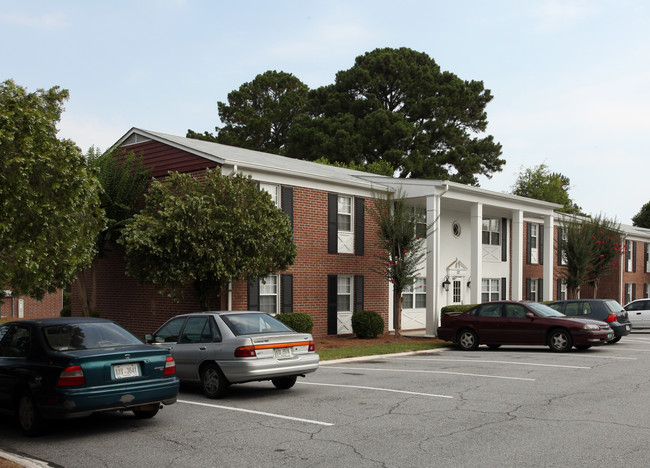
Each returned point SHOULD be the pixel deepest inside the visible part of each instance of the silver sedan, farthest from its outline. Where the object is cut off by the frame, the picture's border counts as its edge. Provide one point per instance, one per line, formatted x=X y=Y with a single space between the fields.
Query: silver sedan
x=217 y=349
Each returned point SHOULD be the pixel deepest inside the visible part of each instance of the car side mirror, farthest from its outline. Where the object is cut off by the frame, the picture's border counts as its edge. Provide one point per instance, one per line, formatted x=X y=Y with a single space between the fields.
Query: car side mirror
x=530 y=315
x=148 y=338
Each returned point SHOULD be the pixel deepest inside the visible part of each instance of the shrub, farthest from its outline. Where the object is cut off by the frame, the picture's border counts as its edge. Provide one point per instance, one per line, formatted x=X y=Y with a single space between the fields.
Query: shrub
x=67 y=306
x=367 y=324
x=455 y=308
x=302 y=323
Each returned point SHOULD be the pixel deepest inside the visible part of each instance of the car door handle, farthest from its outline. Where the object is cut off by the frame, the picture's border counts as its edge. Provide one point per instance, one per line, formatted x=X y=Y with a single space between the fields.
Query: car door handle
x=203 y=348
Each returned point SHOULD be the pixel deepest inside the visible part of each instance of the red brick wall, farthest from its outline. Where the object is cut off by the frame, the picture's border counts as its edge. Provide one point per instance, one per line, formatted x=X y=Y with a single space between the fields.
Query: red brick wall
x=50 y=306
x=141 y=310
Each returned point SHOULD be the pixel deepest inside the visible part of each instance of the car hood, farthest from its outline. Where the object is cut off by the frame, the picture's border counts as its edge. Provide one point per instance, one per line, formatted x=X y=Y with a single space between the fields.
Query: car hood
x=585 y=321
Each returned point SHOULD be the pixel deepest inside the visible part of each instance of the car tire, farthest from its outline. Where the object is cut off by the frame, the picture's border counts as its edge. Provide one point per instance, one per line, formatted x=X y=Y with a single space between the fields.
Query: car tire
x=213 y=382
x=284 y=383
x=467 y=340
x=559 y=340
x=615 y=340
x=29 y=417
x=146 y=412
x=494 y=346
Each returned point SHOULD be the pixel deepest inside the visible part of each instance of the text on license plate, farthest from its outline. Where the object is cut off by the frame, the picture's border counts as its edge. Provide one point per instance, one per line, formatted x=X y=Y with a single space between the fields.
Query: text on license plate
x=123 y=371
x=282 y=353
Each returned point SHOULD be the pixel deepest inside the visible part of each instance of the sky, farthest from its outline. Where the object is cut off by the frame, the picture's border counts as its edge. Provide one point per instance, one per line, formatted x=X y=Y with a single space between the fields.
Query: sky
x=570 y=78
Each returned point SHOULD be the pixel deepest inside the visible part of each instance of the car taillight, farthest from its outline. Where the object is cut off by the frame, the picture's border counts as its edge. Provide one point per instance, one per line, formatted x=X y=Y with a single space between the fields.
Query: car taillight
x=312 y=346
x=71 y=376
x=245 y=351
x=170 y=366
x=611 y=318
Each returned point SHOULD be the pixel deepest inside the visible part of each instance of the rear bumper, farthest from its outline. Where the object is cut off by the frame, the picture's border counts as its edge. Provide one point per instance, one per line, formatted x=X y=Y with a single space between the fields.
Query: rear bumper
x=83 y=401
x=620 y=329
x=254 y=369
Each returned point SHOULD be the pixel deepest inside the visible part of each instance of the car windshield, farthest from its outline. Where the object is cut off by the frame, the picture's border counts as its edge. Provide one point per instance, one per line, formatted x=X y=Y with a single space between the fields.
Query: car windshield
x=613 y=306
x=544 y=310
x=70 y=336
x=251 y=324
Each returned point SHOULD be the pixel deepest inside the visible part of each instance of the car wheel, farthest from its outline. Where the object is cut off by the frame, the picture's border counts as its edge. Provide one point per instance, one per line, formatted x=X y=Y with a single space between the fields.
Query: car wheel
x=582 y=347
x=213 y=381
x=615 y=340
x=284 y=383
x=494 y=346
x=29 y=416
x=467 y=340
x=147 y=411
x=559 y=340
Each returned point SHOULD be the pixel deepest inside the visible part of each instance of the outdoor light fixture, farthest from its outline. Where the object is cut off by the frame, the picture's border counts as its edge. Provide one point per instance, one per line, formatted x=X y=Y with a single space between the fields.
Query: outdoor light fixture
x=469 y=281
x=446 y=283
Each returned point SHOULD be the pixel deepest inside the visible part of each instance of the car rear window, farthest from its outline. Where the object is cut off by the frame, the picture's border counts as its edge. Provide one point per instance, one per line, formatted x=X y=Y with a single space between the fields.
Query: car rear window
x=68 y=337
x=252 y=324
x=613 y=306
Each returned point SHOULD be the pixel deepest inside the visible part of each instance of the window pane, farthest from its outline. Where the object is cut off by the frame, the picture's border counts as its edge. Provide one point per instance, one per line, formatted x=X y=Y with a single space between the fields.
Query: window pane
x=407 y=302
x=343 y=285
x=486 y=237
x=421 y=301
x=269 y=285
x=344 y=222
x=343 y=303
x=268 y=304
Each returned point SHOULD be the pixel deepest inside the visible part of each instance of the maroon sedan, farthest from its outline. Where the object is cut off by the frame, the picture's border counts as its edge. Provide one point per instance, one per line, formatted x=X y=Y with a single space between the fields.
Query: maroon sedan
x=521 y=323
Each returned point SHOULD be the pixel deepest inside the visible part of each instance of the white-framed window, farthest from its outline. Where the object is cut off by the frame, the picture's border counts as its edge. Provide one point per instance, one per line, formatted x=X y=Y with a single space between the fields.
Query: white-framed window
x=647 y=257
x=456 y=296
x=629 y=297
x=628 y=256
x=415 y=295
x=344 y=293
x=274 y=191
x=492 y=231
x=269 y=296
x=533 y=289
x=345 y=212
x=562 y=292
x=490 y=289
x=534 y=242
x=420 y=222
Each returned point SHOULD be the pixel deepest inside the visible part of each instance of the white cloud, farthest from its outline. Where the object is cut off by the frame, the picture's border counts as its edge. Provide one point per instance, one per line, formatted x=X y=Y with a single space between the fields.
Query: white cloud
x=46 y=21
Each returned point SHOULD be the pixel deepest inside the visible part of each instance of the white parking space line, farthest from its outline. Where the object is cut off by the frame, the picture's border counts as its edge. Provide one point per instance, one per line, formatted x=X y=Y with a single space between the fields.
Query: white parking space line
x=494 y=362
x=272 y=415
x=378 y=389
x=384 y=369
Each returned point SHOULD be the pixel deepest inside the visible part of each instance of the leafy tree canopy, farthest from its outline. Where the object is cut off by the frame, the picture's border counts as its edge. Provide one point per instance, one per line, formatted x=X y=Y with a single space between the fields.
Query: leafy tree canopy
x=642 y=218
x=541 y=184
x=396 y=105
x=50 y=213
x=377 y=167
x=206 y=233
x=259 y=114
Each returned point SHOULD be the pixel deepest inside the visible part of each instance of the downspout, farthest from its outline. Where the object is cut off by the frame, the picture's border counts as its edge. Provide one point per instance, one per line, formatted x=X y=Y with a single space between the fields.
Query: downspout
x=230 y=295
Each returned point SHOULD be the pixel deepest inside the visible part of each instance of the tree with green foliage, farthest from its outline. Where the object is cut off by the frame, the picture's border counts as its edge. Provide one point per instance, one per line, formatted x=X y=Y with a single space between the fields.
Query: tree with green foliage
x=541 y=184
x=50 y=213
x=206 y=233
x=396 y=105
x=123 y=179
x=592 y=249
x=377 y=167
x=260 y=113
x=400 y=236
x=642 y=218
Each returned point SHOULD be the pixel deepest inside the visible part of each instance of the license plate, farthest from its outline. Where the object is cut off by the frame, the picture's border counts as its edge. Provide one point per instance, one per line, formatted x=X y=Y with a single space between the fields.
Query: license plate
x=610 y=336
x=282 y=353
x=627 y=327
x=123 y=371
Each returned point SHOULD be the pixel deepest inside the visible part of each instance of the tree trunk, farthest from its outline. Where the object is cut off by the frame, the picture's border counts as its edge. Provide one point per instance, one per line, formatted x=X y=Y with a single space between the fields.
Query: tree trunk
x=83 y=295
x=397 y=311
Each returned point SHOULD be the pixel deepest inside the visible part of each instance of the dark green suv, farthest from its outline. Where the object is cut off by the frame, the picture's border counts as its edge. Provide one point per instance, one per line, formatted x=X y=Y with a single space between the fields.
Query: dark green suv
x=605 y=310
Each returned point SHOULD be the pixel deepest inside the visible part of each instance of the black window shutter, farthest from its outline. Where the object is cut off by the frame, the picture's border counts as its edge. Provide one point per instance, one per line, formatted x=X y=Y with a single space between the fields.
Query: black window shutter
x=332 y=328
x=358 y=293
x=504 y=287
x=559 y=289
x=504 y=240
x=540 y=251
x=359 y=225
x=286 y=299
x=254 y=293
x=645 y=258
x=332 y=223
x=633 y=291
x=633 y=256
x=560 y=247
x=287 y=203
x=528 y=281
x=540 y=290
x=528 y=243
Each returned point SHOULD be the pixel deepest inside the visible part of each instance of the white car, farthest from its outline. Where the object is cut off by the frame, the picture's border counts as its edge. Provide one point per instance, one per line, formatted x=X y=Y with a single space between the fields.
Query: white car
x=639 y=313
x=217 y=349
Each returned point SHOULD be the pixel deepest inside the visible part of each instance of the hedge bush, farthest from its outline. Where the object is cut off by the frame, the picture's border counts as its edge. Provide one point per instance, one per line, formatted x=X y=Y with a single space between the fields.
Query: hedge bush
x=302 y=323
x=456 y=308
x=367 y=324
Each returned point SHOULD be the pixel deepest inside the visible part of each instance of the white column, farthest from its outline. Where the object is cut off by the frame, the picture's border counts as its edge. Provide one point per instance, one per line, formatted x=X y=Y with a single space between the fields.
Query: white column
x=517 y=260
x=476 y=249
x=433 y=265
x=549 y=250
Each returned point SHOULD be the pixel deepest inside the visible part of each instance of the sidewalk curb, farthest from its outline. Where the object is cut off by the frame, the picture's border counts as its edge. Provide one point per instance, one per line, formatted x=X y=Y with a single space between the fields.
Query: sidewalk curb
x=379 y=356
x=23 y=461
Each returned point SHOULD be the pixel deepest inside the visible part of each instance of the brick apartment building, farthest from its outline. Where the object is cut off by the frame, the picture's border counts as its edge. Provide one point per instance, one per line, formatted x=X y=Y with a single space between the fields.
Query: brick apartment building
x=484 y=245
